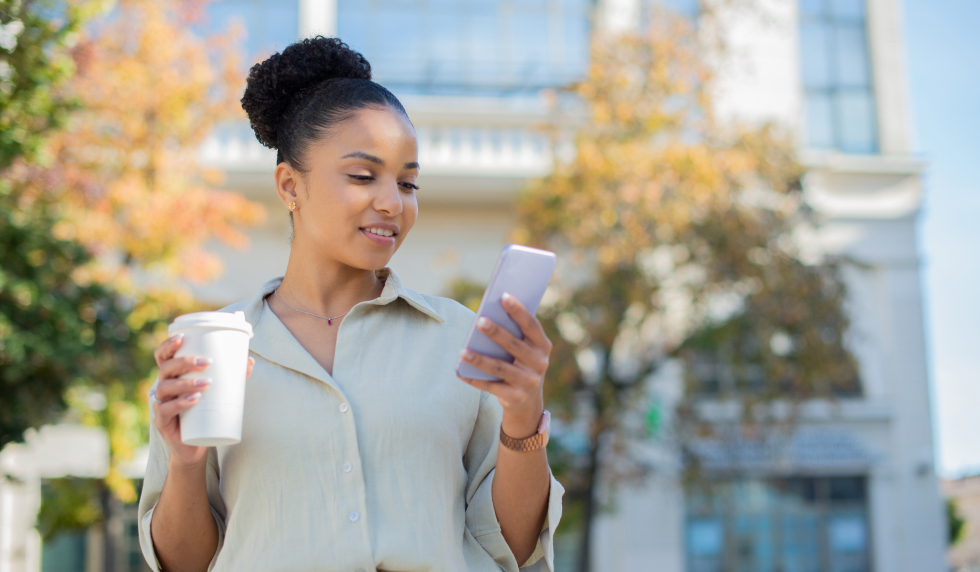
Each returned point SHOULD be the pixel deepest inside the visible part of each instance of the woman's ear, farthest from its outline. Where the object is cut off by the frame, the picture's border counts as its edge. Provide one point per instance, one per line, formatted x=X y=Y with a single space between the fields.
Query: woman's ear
x=287 y=185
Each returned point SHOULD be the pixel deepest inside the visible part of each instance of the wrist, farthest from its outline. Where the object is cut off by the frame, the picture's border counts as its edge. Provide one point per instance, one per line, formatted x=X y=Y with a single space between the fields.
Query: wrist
x=189 y=468
x=520 y=423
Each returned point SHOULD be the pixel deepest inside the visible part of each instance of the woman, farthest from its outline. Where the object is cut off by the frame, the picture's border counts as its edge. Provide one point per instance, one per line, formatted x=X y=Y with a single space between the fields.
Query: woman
x=360 y=448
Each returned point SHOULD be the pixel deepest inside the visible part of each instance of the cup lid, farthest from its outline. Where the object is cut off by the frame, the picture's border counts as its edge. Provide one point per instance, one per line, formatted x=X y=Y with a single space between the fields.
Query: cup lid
x=223 y=320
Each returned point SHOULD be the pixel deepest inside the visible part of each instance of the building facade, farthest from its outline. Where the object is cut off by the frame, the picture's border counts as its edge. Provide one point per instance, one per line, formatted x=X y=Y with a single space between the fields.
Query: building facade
x=854 y=489
x=858 y=491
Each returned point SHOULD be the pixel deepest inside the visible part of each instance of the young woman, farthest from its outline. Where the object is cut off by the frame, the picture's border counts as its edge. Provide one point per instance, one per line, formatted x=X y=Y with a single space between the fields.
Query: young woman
x=361 y=450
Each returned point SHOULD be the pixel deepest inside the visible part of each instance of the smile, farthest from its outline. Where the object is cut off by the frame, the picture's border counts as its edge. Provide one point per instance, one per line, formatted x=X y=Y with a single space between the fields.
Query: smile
x=379 y=231
x=378 y=235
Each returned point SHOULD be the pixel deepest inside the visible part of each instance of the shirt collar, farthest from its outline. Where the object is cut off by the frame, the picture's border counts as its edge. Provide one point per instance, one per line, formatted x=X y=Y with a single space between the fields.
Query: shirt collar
x=274 y=342
x=393 y=290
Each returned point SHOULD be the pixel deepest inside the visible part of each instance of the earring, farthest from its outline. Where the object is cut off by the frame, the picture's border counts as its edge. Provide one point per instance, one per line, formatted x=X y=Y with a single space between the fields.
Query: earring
x=292 y=205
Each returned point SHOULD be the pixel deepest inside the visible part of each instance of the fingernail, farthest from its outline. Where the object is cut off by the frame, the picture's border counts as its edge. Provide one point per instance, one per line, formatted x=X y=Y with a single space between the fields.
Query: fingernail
x=483 y=323
x=203 y=361
x=204 y=381
x=507 y=298
x=194 y=396
x=466 y=354
x=178 y=337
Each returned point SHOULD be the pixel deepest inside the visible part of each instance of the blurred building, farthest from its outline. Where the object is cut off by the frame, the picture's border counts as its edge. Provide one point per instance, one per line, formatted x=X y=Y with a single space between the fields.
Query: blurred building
x=59 y=452
x=964 y=556
x=854 y=489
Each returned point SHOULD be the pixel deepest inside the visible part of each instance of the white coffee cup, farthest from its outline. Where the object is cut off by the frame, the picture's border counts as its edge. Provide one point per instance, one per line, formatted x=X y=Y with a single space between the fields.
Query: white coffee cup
x=216 y=419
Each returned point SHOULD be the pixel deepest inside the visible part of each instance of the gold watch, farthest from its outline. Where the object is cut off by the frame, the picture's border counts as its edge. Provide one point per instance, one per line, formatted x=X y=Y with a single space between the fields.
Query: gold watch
x=536 y=441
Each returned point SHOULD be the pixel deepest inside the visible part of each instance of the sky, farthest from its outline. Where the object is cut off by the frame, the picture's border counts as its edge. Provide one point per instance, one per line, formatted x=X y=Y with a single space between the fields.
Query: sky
x=943 y=51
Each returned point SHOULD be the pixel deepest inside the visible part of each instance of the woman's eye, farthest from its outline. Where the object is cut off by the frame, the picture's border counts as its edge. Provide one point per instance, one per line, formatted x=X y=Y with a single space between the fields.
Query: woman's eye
x=361 y=177
x=410 y=186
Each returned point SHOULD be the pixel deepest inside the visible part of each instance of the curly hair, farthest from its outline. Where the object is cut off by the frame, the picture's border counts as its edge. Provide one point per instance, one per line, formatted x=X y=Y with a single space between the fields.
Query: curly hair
x=297 y=96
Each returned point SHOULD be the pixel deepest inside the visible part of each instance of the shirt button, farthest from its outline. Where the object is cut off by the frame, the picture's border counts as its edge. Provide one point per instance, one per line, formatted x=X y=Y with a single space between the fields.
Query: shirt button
x=353 y=516
x=344 y=407
x=348 y=467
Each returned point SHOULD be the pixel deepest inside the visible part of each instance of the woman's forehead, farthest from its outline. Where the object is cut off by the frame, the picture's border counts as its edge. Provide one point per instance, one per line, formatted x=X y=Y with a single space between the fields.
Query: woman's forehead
x=378 y=129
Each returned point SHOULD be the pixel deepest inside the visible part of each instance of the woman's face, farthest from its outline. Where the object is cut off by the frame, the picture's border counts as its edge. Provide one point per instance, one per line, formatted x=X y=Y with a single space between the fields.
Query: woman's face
x=357 y=202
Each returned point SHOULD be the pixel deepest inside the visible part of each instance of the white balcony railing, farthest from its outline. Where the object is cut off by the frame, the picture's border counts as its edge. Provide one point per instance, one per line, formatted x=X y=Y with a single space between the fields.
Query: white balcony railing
x=444 y=150
x=483 y=151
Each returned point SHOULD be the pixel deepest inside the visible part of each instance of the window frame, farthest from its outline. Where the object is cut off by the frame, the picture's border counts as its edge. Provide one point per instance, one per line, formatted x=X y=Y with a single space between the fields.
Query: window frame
x=718 y=500
x=836 y=89
x=505 y=72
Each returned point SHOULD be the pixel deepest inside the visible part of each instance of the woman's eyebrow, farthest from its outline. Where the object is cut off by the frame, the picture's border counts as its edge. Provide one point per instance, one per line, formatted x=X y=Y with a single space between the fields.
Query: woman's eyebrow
x=376 y=160
x=365 y=156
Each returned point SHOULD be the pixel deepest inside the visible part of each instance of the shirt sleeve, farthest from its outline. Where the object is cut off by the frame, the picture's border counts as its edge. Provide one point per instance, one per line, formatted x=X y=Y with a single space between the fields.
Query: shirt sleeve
x=481 y=520
x=156 y=474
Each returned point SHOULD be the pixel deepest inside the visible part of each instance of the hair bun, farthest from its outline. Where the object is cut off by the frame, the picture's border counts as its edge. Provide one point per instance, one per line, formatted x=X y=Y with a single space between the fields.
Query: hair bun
x=275 y=84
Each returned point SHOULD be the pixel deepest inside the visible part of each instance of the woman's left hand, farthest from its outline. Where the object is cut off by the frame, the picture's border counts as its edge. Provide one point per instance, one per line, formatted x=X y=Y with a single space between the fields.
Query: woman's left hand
x=520 y=392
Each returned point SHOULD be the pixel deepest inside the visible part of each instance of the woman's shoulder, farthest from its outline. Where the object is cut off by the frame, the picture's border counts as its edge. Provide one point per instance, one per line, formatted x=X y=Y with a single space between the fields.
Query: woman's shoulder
x=450 y=310
x=236 y=307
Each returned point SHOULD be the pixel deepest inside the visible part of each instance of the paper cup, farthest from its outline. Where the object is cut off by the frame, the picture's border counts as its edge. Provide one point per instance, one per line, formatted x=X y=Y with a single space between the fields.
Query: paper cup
x=216 y=419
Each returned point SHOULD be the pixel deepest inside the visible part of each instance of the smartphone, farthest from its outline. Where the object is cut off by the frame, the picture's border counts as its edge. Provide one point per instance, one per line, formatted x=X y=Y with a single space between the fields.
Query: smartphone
x=524 y=273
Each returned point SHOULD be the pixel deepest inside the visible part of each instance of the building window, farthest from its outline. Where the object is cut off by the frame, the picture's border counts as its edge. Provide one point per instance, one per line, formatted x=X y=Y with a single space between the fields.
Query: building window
x=839 y=99
x=794 y=524
x=466 y=46
x=270 y=25
x=64 y=552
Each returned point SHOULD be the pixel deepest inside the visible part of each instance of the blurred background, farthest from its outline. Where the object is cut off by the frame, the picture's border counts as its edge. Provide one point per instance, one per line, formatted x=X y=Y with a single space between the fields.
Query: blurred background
x=764 y=210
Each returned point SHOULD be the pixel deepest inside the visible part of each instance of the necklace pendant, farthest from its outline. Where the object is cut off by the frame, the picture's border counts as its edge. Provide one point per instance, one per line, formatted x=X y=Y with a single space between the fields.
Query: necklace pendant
x=329 y=321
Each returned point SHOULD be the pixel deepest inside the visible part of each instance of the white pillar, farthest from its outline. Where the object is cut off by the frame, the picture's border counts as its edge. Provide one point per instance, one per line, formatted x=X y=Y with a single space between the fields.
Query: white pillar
x=317 y=17
x=886 y=43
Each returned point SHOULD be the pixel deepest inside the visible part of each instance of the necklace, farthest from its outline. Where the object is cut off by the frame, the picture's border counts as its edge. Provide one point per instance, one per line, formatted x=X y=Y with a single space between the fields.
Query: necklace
x=329 y=320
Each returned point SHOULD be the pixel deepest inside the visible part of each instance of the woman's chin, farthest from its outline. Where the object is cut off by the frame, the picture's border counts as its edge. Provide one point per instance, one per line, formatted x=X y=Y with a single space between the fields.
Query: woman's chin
x=372 y=260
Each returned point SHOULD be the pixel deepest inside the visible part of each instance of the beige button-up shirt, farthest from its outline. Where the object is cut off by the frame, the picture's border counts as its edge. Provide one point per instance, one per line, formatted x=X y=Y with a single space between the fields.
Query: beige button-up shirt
x=385 y=465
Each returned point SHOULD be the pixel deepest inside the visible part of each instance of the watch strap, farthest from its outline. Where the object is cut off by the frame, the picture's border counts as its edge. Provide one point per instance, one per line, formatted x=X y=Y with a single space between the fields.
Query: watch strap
x=536 y=441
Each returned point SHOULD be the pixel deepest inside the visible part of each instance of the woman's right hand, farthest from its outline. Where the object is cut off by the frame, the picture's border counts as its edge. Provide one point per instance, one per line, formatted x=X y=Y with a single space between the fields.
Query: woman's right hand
x=175 y=394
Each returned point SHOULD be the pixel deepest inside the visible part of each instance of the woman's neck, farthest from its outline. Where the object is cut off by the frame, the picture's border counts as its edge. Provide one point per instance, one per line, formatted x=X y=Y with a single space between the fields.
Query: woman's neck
x=326 y=287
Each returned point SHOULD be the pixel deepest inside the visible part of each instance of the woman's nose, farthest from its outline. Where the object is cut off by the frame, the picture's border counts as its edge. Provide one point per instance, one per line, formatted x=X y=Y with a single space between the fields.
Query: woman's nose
x=389 y=199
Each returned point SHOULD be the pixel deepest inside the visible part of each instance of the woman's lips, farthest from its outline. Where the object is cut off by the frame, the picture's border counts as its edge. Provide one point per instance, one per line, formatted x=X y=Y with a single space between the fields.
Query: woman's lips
x=378 y=239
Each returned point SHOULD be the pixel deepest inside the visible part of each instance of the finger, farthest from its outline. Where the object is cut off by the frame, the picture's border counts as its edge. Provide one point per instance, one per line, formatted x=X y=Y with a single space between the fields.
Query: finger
x=165 y=412
x=504 y=393
x=175 y=387
x=521 y=350
x=175 y=367
x=168 y=348
x=251 y=364
x=510 y=373
x=530 y=326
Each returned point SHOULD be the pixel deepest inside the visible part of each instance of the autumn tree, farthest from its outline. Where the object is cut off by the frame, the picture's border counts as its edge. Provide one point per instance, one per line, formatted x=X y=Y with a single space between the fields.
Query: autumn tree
x=675 y=234
x=121 y=179
x=53 y=331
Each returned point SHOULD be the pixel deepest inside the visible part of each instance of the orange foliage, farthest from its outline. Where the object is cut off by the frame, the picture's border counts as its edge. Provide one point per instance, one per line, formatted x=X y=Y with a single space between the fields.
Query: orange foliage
x=125 y=170
x=124 y=178
x=676 y=235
